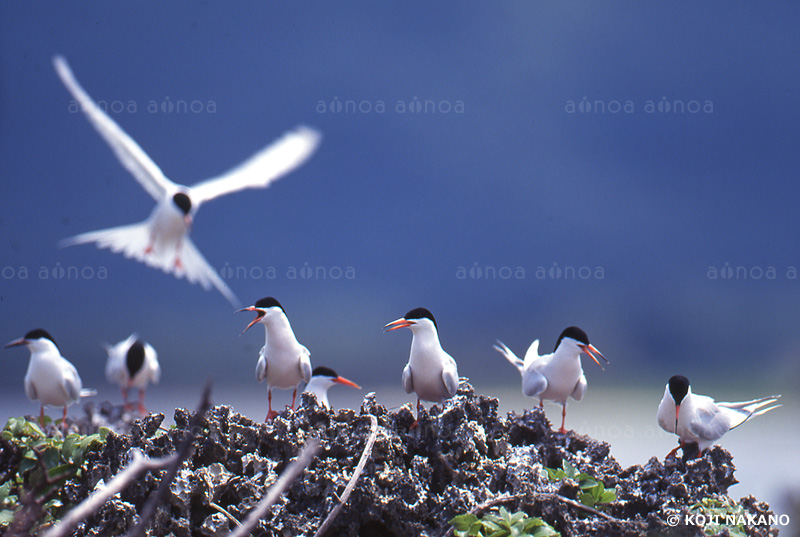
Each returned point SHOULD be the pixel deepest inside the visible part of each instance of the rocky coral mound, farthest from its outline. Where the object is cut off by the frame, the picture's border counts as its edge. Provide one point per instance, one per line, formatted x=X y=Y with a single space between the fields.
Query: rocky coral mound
x=461 y=458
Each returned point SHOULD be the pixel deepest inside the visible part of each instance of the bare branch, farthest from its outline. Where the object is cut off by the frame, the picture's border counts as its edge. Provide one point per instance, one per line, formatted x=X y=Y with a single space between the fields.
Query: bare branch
x=277 y=489
x=120 y=482
x=352 y=483
x=182 y=453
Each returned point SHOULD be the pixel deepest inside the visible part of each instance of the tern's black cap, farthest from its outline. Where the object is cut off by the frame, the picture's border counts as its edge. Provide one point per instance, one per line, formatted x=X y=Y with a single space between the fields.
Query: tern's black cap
x=39 y=333
x=573 y=332
x=183 y=202
x=322 y=371
x=421 y=313
x=269 y=302
x=134 y=360
x=678 y=388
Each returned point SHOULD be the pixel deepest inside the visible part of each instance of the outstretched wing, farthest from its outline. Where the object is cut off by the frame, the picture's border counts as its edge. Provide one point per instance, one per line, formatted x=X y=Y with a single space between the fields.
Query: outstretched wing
x=130 y=155
x=509 y=355
x=260 y=170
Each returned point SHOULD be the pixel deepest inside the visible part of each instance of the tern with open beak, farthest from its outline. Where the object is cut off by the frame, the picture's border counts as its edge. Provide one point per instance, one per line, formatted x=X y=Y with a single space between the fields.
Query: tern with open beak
x=556 y=376
x=431 y=373
x=283 y=362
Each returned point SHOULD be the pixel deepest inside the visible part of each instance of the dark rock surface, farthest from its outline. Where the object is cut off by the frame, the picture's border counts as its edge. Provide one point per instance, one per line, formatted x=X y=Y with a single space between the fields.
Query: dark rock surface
x=459 y=457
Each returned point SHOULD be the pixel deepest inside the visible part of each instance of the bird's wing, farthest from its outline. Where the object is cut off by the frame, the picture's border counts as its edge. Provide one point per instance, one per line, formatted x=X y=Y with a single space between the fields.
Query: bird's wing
x=665 y=415
x=266 y=166
x=305 y=364
x=30 y=389
x=155 y=367
x=532 y=354
x=130 y=155
x=533 y=383
x=197 y=270
x=71 y=383
x=740 y=412
x=710 y=423
x=261 y=368
x=408 y=382
x=115 y=370
x=450 y=376
x=580 y=389
x=509 y=355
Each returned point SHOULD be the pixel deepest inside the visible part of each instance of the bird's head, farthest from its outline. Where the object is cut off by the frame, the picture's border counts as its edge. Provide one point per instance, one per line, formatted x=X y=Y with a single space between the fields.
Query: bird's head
x=265 y=309
x=330 y=377
x=574 y=337
x=184 y=205
x=416 y=319
x=36 y=340
x=679 y=388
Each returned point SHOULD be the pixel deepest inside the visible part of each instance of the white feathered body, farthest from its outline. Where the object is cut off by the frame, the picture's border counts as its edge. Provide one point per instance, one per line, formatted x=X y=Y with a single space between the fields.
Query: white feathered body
x=51 y=379
x=117 y=371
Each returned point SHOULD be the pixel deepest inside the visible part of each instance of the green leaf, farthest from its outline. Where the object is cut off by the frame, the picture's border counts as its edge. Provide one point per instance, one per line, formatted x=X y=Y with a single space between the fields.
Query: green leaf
x=587 y=499
x=569 y=470
x=463 y=522
x=608 y=496
x=6 y=516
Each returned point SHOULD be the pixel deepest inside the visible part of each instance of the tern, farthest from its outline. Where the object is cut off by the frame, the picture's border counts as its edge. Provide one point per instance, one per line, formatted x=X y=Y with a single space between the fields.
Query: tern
x=282 y=361
x=161 y=241
x=430 y=372
x=51 y=379
x=698 y=420
x=132 y=363
x=556 y=376
x=322 y=379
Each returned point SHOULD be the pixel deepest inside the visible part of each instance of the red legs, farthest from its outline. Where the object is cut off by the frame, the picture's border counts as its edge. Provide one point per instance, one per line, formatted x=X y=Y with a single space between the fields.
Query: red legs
x=294 y=396
x=178 y=263
x=142 y=409
x=563 y=419
x=64 y=421
x=416 y=420
x=541 y=404
x=41 y=416
x=271 y=414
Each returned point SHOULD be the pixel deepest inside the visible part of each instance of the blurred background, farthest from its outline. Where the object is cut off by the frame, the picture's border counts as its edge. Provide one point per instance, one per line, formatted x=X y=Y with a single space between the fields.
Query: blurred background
x=515 y=168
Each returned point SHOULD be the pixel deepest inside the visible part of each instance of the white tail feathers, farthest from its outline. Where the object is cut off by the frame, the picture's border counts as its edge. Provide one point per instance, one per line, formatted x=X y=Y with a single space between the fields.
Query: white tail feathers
x=509 y=355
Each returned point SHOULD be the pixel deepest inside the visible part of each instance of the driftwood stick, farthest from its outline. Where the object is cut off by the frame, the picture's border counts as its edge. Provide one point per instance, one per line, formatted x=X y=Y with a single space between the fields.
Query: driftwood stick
x=277 y=489
x=356 y=474
x=184 y=450
x=96 y=499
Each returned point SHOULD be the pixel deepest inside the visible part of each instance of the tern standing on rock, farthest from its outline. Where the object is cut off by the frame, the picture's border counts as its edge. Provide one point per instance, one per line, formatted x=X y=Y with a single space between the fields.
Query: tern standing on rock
x=162 y=240
x=51 y=379
x=282 y=361
x=322 y=379
x=556 y=376
x=698 y=420
x=431 y=373
x=132 y=363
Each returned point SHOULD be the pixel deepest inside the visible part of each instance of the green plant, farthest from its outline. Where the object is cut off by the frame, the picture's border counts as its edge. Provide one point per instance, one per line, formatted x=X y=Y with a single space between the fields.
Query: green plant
x=717 y=513
x=43 y=465
x=593 y=491
x=501 y=524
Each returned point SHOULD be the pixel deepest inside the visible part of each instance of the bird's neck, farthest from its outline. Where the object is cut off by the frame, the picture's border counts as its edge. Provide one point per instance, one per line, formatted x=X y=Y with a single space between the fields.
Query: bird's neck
x=426 y=340
x=279 y=331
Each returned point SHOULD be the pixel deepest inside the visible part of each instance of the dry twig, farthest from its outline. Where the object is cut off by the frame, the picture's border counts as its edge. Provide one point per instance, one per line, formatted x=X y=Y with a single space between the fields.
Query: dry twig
x=352 y=483
x=277 y=489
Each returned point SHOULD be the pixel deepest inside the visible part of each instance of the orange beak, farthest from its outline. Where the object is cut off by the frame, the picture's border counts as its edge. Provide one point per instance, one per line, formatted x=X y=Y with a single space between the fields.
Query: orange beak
x=399 y=323
x=17 y=342
x=259 y=315
x=345 y=382
x=591 y=351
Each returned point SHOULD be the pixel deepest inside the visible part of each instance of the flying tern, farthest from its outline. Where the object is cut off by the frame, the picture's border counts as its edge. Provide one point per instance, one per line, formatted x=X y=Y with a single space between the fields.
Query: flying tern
x=556 y=376
x=132 y=363
x=282 y=361
x=698 y=420
x=161 y=241
x=51 y=379
x=431 y=373
x=322 y=379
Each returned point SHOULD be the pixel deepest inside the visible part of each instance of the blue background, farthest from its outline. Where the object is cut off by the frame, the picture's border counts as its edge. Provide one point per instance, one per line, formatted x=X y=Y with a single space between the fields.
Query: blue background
x=506 y=170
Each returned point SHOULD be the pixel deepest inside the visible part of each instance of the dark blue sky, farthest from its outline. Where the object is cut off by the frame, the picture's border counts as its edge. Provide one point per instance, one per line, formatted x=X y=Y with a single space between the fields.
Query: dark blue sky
x=503 y=170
